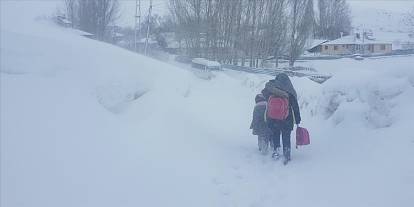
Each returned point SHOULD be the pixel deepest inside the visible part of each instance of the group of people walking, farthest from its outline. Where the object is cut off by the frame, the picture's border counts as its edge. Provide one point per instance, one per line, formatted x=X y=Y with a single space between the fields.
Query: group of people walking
x=275 y=113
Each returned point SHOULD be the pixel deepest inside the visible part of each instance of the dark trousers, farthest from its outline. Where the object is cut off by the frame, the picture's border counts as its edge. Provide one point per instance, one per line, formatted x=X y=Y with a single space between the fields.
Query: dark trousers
x=276 y=137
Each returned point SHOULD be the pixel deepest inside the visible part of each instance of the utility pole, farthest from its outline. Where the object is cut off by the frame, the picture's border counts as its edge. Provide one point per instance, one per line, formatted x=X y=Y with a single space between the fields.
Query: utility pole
x=363 y=41
x=148 y=28
x=137 y=24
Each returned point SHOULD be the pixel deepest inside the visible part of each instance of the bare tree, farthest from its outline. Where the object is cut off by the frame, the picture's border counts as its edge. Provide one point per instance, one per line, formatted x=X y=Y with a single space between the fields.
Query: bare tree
x=409 y=20
x=333 y=19
x=263 y=30
x=71 y=8
x=301 y=20
x=188 y=15
x=232 y=31
x=277 y=24
x=93 y=16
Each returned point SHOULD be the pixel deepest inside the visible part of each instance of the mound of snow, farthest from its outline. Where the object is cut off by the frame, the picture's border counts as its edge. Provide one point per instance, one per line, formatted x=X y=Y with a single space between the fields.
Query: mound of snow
x=364 y=93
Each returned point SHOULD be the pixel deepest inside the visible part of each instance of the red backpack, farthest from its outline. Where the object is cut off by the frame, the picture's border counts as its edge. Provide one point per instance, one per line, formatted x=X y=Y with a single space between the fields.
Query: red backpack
x=302 y=136
x=277 y=108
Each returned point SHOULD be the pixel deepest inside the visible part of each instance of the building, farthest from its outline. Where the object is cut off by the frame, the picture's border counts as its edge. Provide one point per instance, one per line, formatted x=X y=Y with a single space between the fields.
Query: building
x=151 y=44
x=170 y=43
x=315 y=46
x=114 y=33
x=355 y=44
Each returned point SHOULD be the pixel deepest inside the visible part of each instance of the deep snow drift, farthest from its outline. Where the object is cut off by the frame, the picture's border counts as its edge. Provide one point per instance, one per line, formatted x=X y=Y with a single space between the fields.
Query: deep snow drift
x=84 y=123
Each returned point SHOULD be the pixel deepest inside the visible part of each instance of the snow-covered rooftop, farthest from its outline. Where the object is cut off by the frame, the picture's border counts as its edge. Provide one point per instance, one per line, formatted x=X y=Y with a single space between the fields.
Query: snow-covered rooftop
x=351 y=39
x=315 y=42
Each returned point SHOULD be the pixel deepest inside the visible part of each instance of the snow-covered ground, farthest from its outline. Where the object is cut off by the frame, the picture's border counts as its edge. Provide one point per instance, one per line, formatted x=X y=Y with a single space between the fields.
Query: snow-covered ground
x=85 y=123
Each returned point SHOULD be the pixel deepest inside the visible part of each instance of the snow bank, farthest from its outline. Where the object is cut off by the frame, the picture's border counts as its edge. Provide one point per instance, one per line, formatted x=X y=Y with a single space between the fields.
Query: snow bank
x=366 y=92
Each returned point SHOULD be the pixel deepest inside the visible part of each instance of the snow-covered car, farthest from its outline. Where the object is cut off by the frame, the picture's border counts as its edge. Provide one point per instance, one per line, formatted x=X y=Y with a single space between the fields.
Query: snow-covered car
x=204 y=64
x=357 y=57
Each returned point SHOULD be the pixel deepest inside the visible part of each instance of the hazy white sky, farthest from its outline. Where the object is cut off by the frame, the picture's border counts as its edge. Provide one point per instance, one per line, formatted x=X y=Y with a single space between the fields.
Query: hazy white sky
x=391 y=5
x=128 y=10
x=363 y=10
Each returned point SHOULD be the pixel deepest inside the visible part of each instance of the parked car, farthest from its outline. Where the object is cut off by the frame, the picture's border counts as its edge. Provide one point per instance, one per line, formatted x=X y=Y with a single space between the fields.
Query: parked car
x=204 y=64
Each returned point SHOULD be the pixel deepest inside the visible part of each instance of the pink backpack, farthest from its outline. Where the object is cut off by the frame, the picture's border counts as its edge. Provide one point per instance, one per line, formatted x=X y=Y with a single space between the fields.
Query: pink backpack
x=302 y=136
x=277 y=108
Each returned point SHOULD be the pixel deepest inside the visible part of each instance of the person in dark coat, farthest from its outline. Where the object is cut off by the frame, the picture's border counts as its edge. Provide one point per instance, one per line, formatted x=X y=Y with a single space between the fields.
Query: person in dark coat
x=283 y=127
x=259 y=126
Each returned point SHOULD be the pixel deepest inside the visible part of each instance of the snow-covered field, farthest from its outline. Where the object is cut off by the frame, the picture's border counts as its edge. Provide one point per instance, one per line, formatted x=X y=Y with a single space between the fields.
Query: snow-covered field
x=84 y=123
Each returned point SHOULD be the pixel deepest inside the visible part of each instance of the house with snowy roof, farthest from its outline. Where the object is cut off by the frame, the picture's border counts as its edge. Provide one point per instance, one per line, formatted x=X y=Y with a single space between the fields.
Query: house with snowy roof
x=315 y=45
x=356 y=44
x=170 y=43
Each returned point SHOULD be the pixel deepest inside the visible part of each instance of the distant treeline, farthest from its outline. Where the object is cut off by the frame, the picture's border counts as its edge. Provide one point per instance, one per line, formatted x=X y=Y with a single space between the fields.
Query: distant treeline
x=229 y=31
x=233 y=31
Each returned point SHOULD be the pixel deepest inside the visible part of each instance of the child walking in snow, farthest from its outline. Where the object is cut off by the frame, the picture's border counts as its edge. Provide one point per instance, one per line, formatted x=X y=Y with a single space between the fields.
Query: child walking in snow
x=259 y=125
x=280 y=89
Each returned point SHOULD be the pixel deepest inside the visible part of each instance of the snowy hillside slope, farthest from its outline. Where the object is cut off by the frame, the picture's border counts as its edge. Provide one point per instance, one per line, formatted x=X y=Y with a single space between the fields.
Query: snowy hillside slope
x=381 y=15
x=386 y=19
x=84 y=123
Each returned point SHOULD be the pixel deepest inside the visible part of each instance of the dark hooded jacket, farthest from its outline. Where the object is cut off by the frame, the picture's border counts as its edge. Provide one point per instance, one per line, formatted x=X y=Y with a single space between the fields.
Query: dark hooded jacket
x=283 y=83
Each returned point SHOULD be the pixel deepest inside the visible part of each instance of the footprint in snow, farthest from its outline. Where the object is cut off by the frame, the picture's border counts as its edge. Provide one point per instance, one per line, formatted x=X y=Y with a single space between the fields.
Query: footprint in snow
x=236 y=167
x=225 y=192
x=258 y=203
x=222 y=188
x=217 y=181
x=239 y=177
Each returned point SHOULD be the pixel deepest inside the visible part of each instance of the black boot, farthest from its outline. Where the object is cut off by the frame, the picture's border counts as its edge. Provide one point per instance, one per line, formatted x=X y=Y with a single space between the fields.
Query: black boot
x=286 y=155
x=276 y=154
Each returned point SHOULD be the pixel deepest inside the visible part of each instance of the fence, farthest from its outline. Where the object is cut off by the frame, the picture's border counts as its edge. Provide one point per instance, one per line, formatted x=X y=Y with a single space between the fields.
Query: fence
x=293 y=71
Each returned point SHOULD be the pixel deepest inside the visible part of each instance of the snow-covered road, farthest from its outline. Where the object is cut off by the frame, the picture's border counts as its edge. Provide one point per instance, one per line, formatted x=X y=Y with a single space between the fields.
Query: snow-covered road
x=84 y=123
